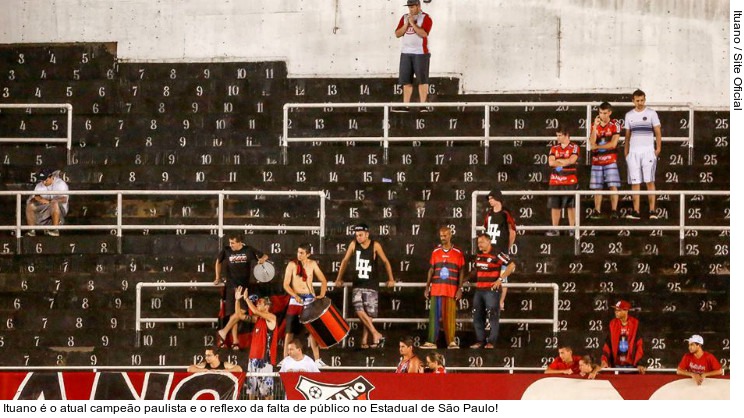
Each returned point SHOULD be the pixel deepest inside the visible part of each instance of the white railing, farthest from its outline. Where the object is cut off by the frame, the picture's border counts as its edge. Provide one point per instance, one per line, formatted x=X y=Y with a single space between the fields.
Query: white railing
x=120 y=226
x=49 y=140
x=488 y=107
x=682 y=228
x=139 y=320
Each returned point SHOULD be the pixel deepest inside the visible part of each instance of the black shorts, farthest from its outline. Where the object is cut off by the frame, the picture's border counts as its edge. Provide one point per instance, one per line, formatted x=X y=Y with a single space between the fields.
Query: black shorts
x=411 y=64
x=564 y=201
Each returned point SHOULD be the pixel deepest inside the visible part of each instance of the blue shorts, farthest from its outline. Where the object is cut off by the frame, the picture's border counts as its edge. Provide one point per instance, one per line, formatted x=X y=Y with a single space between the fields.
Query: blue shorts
x=602 y=175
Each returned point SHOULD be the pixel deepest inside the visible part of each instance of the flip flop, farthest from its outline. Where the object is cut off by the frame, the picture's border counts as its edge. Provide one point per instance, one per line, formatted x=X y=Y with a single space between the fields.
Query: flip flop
x=364 y=346
x=220 y=341
x=236 y=347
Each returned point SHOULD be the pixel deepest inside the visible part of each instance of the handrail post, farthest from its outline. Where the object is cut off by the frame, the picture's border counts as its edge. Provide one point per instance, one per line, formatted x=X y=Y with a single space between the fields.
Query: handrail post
x=138 y=313
x=555 y=308
x=285 y=133
x=119 y=222
x=473 y=224
x=691 y=136
x=385 y=132
x=220 y=218
x=322 y=221
x=19 y=233
x=69 y=133
x=487 y=129
x=588 y=133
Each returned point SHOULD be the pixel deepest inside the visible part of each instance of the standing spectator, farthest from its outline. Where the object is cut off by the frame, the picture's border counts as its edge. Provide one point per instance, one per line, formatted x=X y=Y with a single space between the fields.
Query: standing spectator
x=259 y=356
x=414 y=28
x=623 y=347
x=47 y=209
x=435 y=363
x=237 y=259
x=296 y=361
x=409 y=362
x=587 y=367
x=212 y=362
x=298 y=283
x=562 y=159
x=443 y=287
x=603 y=143
x=488 y=300
x=566 y=362
x=642 y=149
x=499 y=223
x=698 y=364
x=364 y=295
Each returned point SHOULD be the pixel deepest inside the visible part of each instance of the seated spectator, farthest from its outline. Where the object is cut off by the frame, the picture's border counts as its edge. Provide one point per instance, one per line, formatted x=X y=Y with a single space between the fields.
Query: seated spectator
x=212 y=362
x=603 y=142
x=588 y=368
x=562 y=160
x=698 y=364
x=296 y=361
x=435 y=363
x=47 y=209
x=409 y=362
x=566 y=362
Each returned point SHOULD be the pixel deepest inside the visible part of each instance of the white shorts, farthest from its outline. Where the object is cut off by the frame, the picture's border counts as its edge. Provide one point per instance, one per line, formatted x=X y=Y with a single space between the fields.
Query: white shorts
x=641 y=167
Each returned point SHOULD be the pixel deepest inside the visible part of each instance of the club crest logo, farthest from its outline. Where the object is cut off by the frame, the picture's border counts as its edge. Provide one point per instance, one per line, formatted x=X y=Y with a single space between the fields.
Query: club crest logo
x=357 y=389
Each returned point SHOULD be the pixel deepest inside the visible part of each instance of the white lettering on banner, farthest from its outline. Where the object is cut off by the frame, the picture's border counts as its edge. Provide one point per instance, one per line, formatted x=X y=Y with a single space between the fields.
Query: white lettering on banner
x=362 y=266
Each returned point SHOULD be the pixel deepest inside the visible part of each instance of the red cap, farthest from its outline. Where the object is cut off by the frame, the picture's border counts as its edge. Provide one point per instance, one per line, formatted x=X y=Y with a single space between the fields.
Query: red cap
x=622 y=305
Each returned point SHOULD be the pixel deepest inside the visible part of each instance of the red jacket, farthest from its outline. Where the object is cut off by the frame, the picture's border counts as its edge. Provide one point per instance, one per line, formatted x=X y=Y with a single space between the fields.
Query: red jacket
x=635 y=343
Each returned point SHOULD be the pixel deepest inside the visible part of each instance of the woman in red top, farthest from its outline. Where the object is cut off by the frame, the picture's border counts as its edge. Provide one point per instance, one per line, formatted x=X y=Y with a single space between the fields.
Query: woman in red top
x=435 y=363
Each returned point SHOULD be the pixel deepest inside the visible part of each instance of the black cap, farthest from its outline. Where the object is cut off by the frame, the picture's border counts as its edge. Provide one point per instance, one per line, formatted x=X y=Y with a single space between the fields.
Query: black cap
x=361 y=227
x=45 y=174
x=412 y=2
x=496 y=195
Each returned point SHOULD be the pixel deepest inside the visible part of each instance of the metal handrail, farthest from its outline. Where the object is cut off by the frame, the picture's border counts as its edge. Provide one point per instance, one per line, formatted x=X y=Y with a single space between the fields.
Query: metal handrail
x=67 y=140
x=486 y=138
x=578 y=228
x=120 y=227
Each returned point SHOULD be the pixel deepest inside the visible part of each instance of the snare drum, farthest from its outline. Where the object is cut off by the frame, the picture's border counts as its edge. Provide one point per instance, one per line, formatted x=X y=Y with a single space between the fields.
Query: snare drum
x=324 y=323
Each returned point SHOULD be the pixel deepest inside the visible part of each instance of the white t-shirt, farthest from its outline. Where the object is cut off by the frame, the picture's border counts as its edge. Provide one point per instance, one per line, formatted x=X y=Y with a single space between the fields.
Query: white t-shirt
x=305 y=365
x=58 y=185
x=641 y=125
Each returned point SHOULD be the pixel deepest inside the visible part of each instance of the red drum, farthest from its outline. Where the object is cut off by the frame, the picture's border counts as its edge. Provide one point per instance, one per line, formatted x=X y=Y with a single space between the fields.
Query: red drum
x=324 y=323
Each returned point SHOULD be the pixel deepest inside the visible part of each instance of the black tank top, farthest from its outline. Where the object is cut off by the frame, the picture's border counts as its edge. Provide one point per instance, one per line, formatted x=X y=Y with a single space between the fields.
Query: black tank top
x=365 y=266
x=220 y=367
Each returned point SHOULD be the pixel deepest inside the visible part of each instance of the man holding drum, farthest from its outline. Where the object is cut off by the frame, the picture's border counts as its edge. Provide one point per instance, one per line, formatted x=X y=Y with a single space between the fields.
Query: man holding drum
x=364 y=294
x=298 y=283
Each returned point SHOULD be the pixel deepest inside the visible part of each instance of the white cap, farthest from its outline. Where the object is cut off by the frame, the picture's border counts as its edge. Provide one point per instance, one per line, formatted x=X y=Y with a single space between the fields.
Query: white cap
x=695 y=339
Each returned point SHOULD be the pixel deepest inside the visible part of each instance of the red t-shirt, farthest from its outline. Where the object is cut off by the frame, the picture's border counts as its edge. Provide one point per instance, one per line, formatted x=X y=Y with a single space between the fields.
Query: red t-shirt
x=567 y=175
x=704 y=364
x=559 y=364
x=447 y=265
x=604 y=135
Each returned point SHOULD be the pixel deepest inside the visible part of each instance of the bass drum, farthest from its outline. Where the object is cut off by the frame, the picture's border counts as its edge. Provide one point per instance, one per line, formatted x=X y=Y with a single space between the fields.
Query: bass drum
x=324 y=323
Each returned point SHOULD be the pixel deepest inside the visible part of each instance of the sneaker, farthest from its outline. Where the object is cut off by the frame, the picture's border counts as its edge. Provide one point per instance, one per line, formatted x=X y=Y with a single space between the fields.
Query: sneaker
x=52 y=232
x=403 y=109
x=552 y=233
x=633 y=215
x=453 y=346
x=489 y=345
x=614 y=215
x=428 y=346
x=654 y=214
x=595 y=214
x=31 y=233
x=427 y=109
x=320 y=363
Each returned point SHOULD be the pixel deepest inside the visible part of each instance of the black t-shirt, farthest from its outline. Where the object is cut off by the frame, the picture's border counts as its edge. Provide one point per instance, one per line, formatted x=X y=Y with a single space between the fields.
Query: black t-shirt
x=238 y=265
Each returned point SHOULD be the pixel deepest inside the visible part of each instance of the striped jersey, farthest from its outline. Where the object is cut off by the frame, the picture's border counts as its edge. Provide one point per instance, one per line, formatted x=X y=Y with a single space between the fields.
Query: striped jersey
x=447 y=265
x=641 y=126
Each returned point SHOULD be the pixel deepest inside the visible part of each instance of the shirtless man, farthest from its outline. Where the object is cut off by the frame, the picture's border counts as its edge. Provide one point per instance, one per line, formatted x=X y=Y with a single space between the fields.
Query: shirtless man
x=298 y=283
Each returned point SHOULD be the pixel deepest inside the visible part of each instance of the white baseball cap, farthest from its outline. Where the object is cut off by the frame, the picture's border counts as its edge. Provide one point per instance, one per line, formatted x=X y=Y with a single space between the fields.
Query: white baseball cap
x=695 y=339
